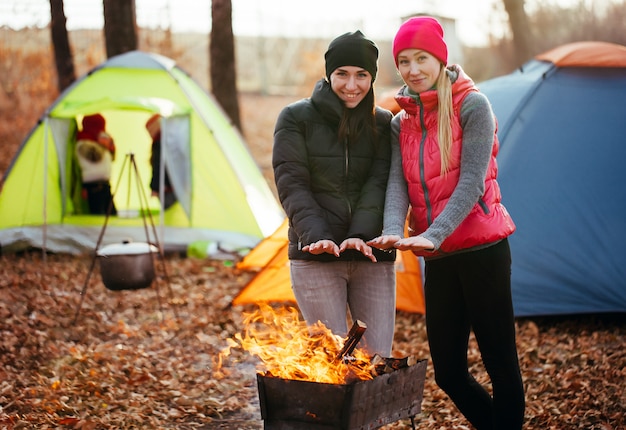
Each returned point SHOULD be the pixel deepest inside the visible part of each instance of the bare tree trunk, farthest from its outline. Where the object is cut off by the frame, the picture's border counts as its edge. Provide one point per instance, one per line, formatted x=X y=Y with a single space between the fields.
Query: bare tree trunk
x=120 y=26
x=222 y=59
x=520 y=29
x=63 y=57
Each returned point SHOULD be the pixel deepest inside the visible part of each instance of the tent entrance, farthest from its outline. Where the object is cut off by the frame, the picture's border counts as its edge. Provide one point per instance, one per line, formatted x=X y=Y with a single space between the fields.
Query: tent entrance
x=127 y=127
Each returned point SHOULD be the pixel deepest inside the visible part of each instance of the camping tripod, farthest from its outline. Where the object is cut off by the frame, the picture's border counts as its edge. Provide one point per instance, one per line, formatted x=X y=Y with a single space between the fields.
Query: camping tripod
x=145 y=213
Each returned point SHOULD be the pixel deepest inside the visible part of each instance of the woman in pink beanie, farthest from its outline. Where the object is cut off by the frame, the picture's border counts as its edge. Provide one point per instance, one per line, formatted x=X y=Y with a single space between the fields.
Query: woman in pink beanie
x=443 y=166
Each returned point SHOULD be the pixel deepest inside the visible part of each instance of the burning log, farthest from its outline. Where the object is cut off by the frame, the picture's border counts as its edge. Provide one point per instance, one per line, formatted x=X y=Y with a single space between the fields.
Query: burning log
x=382 y=365
x=291 y=349
x=354 y=336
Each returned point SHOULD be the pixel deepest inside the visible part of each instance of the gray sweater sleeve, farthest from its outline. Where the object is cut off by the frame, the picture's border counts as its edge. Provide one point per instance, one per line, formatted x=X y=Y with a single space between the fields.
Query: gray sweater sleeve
x=397 y=196
x=478 y=126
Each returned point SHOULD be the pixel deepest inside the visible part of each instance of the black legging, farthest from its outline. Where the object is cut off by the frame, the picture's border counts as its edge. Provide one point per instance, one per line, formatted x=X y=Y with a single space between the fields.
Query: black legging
x=99 y=198
x=472 y=291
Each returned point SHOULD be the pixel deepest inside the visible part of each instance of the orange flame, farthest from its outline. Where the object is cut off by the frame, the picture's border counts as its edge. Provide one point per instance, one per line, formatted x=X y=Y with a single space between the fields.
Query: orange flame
x=290 y=349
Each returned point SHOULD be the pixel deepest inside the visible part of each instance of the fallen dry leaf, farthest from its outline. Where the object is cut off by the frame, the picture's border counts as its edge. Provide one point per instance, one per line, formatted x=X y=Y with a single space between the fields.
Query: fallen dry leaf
x=133 y=359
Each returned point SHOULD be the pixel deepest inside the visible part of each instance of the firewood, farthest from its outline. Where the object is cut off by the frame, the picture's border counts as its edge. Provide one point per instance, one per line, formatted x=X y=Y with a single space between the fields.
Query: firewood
x=382 y=365
x=353 y=338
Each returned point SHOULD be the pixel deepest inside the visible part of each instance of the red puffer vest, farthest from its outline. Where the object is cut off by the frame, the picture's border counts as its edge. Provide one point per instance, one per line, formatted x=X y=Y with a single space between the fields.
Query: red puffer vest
x=429 y=191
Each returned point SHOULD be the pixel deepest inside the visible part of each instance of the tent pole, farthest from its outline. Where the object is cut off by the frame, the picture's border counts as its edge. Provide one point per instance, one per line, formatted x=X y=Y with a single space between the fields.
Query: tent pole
x=44 y=254
x=162 y=182
x=45 y=191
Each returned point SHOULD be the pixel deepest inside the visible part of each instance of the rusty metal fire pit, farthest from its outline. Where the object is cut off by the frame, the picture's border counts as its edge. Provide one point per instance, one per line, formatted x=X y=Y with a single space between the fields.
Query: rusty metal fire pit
x=302 y=405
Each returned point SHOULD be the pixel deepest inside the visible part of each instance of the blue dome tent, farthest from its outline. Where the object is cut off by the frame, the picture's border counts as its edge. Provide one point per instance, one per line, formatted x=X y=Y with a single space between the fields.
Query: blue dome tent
x=562 y=171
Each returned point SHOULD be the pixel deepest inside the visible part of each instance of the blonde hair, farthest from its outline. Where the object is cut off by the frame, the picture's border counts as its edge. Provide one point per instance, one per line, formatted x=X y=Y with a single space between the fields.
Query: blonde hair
x=444 y=118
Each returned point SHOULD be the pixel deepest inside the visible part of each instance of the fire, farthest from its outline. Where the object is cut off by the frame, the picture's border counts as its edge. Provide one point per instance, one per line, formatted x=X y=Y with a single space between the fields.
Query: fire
x=290 y=349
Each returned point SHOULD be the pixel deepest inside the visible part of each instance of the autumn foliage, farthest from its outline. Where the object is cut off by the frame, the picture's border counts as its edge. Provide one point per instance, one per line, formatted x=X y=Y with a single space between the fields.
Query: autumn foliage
x=147 y=358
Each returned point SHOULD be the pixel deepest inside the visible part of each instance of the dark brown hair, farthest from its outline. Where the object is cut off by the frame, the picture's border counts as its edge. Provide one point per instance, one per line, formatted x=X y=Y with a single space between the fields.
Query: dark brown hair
x=359 y=119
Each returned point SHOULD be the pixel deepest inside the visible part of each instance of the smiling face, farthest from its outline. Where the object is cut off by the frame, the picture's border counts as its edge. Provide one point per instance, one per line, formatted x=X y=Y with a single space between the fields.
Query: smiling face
x=351 y=84
x=418 y=69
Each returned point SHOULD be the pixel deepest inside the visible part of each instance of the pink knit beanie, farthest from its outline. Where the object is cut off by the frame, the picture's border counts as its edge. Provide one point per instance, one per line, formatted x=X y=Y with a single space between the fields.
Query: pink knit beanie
x=421 y=32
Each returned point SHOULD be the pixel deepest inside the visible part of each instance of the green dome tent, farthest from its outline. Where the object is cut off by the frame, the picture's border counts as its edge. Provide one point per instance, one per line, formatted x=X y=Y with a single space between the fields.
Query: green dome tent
x=222 y=195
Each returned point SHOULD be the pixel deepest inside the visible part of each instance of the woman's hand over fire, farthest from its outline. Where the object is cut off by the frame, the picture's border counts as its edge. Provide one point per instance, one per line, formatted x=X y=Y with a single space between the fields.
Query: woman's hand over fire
x=413 y=243
x=359 y=245
x=321 y=247
x=329 y=247
x=385 y=242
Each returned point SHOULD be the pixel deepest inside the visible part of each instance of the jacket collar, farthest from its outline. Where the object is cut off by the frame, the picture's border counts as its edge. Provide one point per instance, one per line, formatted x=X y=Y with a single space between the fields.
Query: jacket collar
x=326 y=102
x=408 y=100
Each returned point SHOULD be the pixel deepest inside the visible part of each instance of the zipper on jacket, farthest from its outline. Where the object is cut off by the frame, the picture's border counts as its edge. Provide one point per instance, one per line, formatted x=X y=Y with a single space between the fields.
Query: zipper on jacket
x=346 y=148
x=483 y=205
x=421 y=161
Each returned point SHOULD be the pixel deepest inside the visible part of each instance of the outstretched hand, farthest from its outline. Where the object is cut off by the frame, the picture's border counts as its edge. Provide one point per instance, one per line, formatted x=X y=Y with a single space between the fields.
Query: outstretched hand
x=413 y=243
x=329 y=247
x=359 y=245
x=321 y=247
x=384 y=242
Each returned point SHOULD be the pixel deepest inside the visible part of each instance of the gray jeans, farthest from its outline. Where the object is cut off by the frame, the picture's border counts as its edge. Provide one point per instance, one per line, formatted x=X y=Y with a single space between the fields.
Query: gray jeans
x=336 y=292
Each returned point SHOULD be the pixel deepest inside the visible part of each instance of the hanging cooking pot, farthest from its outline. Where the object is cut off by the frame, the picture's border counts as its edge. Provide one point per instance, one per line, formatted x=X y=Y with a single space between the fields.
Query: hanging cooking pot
x=127 y=265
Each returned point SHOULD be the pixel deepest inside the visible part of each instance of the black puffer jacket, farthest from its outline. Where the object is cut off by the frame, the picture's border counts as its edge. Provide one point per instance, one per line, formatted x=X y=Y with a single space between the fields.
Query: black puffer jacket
x=329 y=189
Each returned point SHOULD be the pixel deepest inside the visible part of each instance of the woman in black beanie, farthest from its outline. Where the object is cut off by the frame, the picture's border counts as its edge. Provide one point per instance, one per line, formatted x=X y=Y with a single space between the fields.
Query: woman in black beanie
x=331 y=161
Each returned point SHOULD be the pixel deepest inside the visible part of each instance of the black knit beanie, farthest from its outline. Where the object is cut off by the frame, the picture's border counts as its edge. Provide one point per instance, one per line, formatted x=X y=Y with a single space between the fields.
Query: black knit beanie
x=352 y=49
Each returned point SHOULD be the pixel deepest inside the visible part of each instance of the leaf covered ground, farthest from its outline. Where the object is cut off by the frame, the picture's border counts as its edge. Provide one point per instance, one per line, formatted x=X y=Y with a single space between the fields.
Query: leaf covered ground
x=148 y=358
